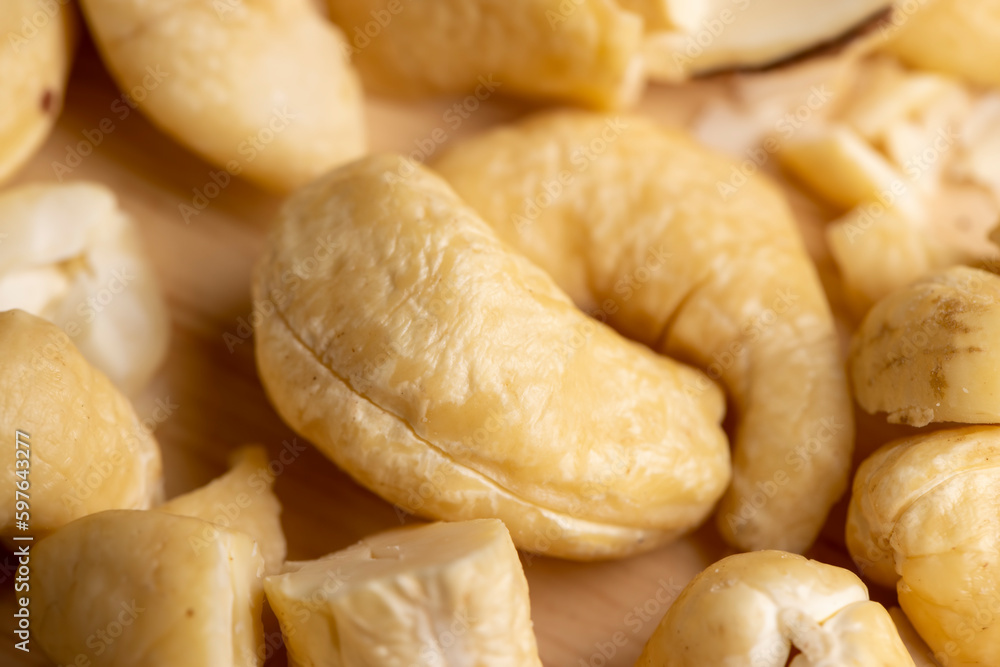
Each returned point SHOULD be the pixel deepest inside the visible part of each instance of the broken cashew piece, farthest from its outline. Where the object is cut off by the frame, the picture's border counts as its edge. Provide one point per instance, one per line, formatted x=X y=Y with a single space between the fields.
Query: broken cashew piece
x=35 y=61
x=83 y=435
x=627 y=217
x=585 y=52
x=450 y=375
x=925 y=353
x=768 y=602
x=440 y=594
x=140 y=572
x=923 y=519
x=261 y=89
x=70 y=255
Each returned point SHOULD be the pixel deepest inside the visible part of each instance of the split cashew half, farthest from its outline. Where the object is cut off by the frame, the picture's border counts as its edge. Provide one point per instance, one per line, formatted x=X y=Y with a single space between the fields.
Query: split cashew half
x=751 y=609
x=450 y=375
x=632 y=221
x=70 y=255
x=87 y=449
x=923 y=518
x=263 y=89
x=440 y=594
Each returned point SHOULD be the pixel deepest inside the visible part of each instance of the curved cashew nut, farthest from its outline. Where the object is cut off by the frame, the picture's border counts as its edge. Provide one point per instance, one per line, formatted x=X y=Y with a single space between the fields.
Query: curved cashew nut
x=262 y=89
x=70 y=255
x=450 y=375
x=35 y=57
x=630 y=220
x=585 y=52
x=84 y=438
x=923 y=354
x=751 y=609
x=923 y=518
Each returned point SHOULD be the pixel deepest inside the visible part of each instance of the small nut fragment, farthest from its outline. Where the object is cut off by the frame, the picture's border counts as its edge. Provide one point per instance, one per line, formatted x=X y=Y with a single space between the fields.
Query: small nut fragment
x=751 y=609
x=440 y=594
x=923 y=518
x=927 y=352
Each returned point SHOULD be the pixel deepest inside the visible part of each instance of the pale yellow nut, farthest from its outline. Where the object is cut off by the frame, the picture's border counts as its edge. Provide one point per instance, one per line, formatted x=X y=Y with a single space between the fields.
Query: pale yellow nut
x=923 y=518
x=123 y=588
x=926 y=353
x=634 y=221
x=750 y=610
x=450 y=375
x=957 y=37
x=440 y=594
x=35 y=57
x=86 y=448
x=70 y=255
x=242 y=499
x=263 y=89
x=585 y=51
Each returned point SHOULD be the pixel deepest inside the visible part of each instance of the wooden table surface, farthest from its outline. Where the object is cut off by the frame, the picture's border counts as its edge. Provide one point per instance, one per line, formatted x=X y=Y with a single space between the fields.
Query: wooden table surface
x=584 y=614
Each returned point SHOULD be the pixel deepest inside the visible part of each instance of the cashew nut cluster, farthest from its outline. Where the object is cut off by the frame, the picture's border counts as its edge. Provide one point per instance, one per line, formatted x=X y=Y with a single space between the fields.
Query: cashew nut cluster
x=925 y=354
x=751 y=610
x=627 y=217
x=35 y=57
x=923 y=518
x=440 y=594
x=260 y=89
x=70 y=255
x=450 y=375
x=87 y=449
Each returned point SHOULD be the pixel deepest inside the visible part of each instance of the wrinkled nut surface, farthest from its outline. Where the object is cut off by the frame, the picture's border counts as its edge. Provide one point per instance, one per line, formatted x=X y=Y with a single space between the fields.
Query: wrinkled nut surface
x=586 y=51
x=70 y=255
x=243 y=500
x=262 y=89
x=627 y=217
x=85 y=440
x=751 y=609
x=440 y=594
x=35 y=61
x=923 y=518
x=450 y=375
x=926 y=353
x=138 y=572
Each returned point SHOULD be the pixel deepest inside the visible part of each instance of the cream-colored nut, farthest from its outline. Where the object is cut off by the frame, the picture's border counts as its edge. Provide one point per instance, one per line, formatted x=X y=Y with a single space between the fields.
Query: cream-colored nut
x=263 y=89
x=440 y=594
x=751 y=609
x=124 y=588
x=450 y=375
x=957 y=37
x=243 y=500
x=634 y=222
x=35 y=58
x=586 y=51
x=88 y=452
x=70 y=255
x=923 y=518
x=925 y=353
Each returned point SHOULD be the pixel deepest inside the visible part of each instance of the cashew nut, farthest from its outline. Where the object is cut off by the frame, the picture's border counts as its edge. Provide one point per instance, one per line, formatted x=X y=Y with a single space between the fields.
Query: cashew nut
x=923 y=518
x=262 y=89
x=70 y=255
x=634 y=222
x=450 y=375
x=440 y=594
x=751 y=609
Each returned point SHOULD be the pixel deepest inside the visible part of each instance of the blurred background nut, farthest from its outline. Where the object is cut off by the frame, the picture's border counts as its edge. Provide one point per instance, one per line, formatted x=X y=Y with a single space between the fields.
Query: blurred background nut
x=923 y=518
x=88 y=450
x=70 y=255
x=394 y=356
x=753 y=609
x=628 y=219
x=261 y=89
